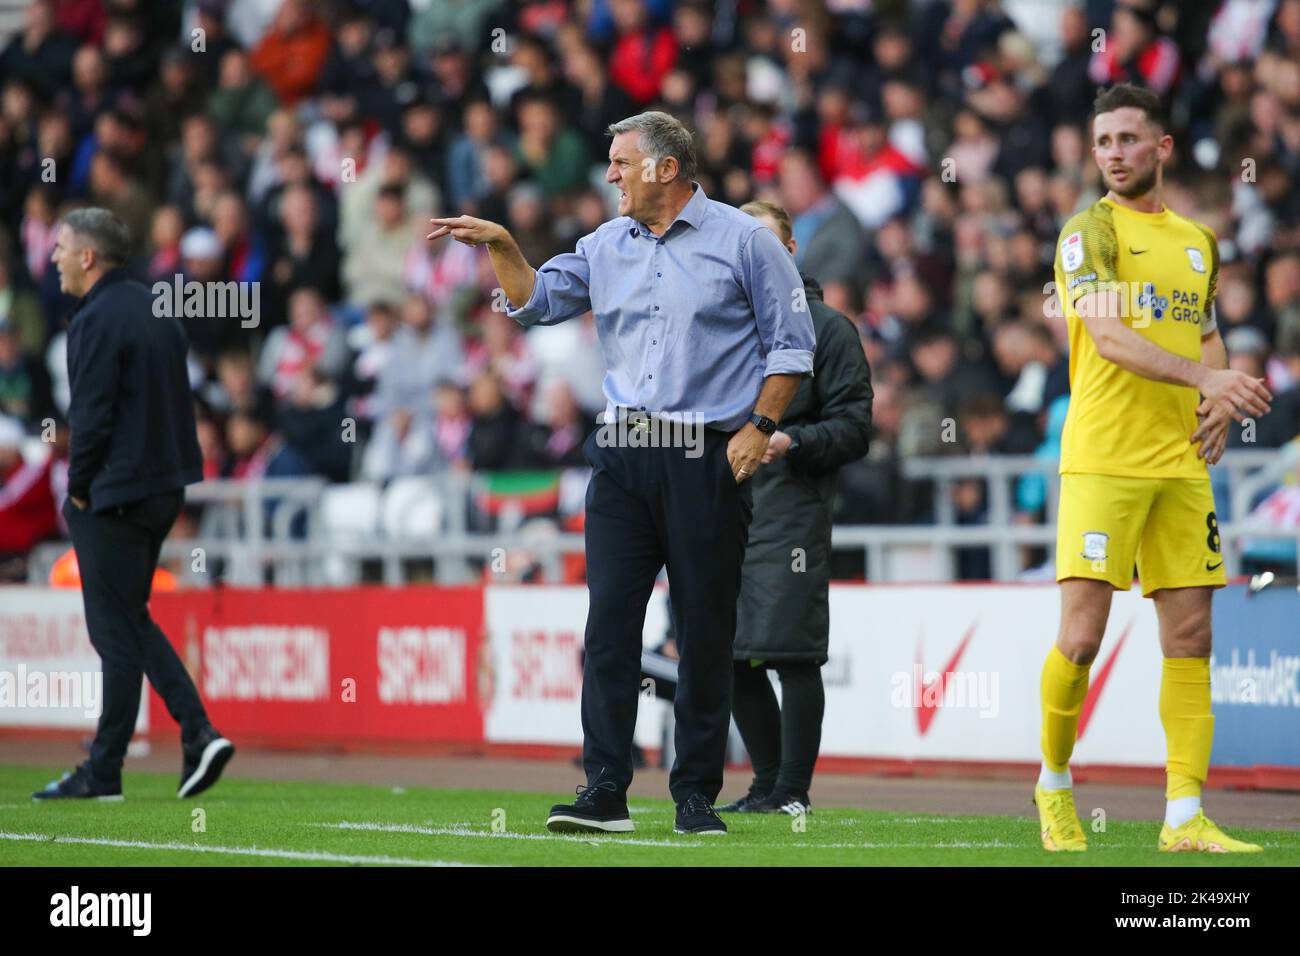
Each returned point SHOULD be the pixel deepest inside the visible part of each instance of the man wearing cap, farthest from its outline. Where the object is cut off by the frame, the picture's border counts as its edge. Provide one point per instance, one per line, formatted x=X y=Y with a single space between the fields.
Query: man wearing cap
x=133 y=449
x=703 y=324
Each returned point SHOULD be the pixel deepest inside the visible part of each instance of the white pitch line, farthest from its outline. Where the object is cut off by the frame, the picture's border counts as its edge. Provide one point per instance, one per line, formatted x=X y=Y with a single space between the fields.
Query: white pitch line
x=594 y=838
x=931 y=820
x=315 y=856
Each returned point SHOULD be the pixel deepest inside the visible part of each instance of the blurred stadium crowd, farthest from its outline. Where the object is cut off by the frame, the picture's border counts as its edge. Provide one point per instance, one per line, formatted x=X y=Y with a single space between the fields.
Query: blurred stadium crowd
x=928 y=153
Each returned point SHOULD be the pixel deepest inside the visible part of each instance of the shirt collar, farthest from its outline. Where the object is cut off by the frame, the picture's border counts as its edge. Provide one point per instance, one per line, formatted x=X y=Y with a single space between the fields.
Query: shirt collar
x=110 y=277
x=1163 y=211
x=693 y=213
x=812 y=288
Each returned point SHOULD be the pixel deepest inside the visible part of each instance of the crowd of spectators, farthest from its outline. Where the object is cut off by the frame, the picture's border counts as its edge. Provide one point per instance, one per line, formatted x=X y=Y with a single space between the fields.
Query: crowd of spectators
x=928 y=153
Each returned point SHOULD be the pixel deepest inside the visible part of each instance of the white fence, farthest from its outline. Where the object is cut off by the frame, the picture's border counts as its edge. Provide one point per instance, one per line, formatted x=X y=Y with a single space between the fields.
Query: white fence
x=305 y=532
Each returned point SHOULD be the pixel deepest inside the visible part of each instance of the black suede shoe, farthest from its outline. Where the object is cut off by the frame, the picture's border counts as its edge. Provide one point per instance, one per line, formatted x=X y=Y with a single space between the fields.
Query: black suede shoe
x=598 y=809
x=749 y=803
x=203 y=760
x=81 y=784
x=696 y=815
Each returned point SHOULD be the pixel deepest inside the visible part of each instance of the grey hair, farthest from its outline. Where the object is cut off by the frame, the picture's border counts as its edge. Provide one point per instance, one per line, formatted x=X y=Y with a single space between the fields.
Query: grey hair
x=662 y=136
x=104 y=233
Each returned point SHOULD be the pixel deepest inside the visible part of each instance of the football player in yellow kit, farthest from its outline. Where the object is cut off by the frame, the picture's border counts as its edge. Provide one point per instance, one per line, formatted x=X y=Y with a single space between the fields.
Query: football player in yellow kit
x=1137 y=282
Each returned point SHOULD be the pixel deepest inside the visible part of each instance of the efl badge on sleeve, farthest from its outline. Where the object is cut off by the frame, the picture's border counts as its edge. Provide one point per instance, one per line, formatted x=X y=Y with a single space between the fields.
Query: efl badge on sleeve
x=1198 y=260
x=1072 y=252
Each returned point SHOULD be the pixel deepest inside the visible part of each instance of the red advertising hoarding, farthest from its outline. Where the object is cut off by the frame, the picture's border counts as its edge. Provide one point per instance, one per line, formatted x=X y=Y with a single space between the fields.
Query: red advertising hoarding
x=300 y=667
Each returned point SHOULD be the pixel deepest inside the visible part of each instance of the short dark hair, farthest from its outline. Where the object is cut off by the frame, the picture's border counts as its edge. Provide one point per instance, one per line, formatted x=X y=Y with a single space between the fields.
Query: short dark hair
x=930 y=332
x=1126 y=94
x=103 y=231
x=983 y=405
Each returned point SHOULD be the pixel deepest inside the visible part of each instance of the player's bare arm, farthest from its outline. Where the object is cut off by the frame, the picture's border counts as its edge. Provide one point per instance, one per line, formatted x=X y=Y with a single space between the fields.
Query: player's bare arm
x=513 y=271
x=1236 y=393
x=746 y=449
x=1212 y=434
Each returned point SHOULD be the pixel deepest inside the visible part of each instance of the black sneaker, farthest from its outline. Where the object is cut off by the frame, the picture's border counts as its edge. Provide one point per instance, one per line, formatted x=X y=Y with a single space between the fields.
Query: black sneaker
x=80 y=784
x=795 y=804
x=598 y=809
x=749 y=803
x=203 y=760
x=696 y=815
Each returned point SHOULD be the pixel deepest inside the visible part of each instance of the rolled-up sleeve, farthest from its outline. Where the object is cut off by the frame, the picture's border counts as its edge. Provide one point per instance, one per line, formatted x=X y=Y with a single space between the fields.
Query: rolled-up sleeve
x=561 y=290
x=777 y=297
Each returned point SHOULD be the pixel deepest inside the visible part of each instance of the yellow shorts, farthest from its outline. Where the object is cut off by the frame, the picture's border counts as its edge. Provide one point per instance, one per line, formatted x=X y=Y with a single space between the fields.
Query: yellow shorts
x=1166 y=526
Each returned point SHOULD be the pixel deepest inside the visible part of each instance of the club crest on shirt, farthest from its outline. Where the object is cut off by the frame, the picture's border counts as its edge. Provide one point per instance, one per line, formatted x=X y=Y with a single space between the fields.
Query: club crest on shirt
x=1197 y=260
x=1072 y=251
x=1094 y=545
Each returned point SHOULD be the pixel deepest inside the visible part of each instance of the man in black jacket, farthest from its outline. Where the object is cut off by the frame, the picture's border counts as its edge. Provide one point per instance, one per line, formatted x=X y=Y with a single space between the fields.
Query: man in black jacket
x=783 y=616
x=134 y=448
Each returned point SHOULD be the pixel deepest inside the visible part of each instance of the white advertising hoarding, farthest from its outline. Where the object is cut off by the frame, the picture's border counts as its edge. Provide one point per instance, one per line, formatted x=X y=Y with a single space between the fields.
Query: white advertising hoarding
x=915 y=673
x=535 y=639
x=50 y=676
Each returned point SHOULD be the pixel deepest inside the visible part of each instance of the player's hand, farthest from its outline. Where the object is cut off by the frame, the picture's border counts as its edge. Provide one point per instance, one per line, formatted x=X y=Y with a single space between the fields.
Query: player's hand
x=745 y=451
x=1212 y=435
x=466 y=229
x=1236 y=393
x=776 y=448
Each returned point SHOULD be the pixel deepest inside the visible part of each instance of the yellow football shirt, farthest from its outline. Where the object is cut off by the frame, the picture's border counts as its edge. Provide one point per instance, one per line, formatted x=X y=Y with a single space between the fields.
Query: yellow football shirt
x=1159 y=270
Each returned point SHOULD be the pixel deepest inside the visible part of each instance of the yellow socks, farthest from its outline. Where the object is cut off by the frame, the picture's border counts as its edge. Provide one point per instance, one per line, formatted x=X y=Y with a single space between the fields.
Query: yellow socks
x=1184 y=713
x=1064 y=686
x=1189 y=729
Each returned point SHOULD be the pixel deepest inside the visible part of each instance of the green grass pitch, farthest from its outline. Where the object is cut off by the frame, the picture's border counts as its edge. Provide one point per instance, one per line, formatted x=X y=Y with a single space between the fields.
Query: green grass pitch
x=255 y=822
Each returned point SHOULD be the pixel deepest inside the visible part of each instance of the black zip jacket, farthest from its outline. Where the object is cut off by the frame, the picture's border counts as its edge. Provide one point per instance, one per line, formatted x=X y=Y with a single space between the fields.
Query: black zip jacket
x=131 y=413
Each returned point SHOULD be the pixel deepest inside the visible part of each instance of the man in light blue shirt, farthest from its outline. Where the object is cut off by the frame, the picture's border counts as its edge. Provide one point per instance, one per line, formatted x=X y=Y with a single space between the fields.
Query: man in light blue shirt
x=702 y=319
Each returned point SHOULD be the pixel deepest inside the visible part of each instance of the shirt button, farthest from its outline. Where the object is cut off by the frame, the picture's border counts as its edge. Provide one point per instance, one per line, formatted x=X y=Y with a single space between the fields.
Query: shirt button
x=649 y=376
x=656 y=308
x=654 y=341
x=659 y=275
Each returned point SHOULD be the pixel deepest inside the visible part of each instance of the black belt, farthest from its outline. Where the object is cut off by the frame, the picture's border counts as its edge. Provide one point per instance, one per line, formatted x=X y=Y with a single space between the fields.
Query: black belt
x=640 y=418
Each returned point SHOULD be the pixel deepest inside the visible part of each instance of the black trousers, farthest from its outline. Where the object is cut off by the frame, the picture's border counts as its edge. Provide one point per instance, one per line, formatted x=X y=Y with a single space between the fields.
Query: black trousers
x=649 y=508
x=117 y=553
x=782 y=738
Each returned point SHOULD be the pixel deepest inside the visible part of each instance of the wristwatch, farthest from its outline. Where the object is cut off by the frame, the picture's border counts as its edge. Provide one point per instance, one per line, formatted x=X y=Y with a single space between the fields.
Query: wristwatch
x=763 y=423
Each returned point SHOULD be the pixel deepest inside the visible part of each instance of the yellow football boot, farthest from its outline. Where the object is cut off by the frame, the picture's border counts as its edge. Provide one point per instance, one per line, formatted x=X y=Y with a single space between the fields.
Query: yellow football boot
x=1059 y=821
x=1200 y=834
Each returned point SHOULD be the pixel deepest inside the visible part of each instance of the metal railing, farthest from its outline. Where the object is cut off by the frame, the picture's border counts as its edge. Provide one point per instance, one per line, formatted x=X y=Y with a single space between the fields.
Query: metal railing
x=273 y=531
